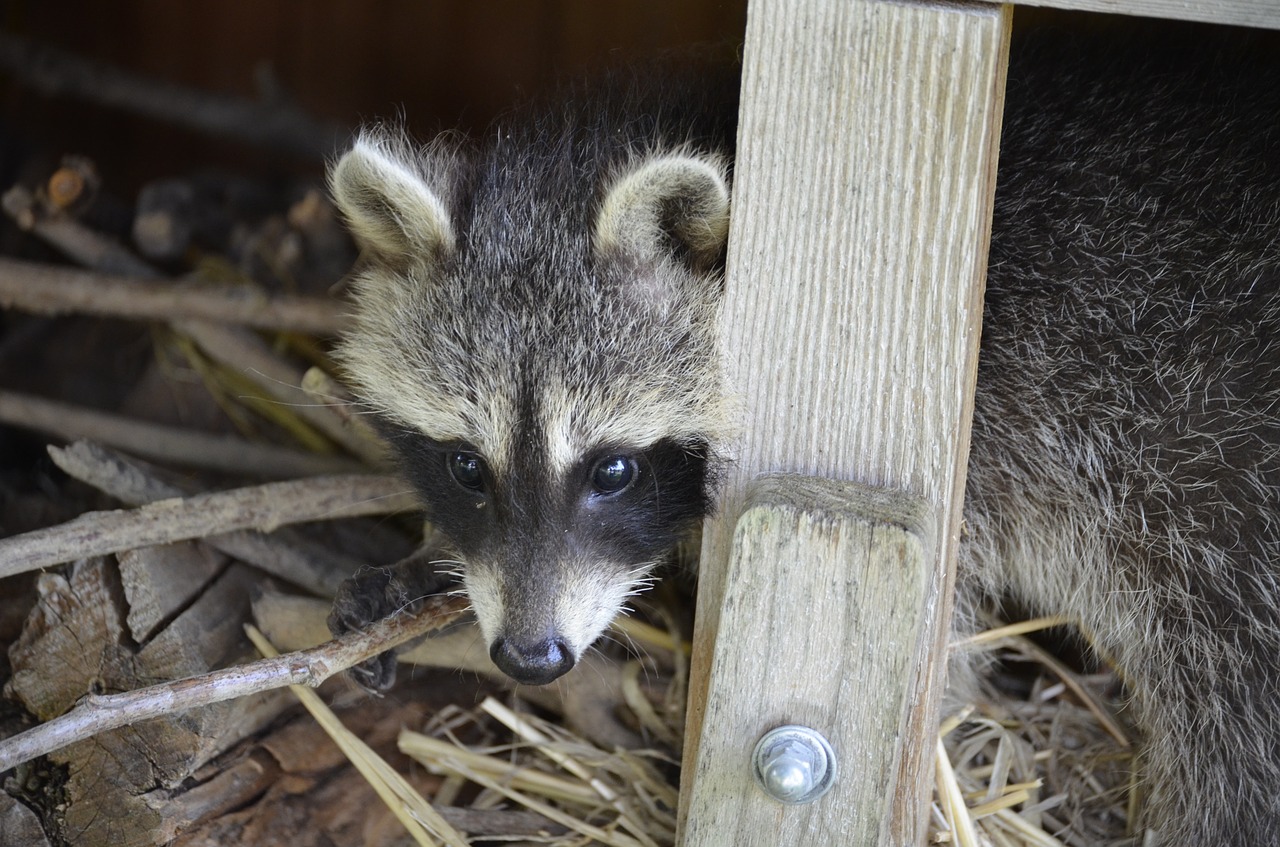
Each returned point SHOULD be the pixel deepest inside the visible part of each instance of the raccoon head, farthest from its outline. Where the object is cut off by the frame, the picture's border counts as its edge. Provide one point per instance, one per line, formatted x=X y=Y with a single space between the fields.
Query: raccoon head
x=543 y=356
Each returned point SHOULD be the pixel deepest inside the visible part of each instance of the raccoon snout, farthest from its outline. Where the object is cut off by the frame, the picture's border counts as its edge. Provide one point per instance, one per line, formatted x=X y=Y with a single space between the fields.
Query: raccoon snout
x=532 y=664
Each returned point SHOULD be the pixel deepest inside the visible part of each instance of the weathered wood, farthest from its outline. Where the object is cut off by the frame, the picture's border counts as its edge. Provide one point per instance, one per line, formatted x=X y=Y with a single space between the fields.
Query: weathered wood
x=201 y=637
x=311 y=558
x=55 y=290
x=78 y=629
x=834 y=576
x=863 y=187
x=182 y=446
x=159 y=581
x=20 y=825
x=1256 y=13
x=262 y=507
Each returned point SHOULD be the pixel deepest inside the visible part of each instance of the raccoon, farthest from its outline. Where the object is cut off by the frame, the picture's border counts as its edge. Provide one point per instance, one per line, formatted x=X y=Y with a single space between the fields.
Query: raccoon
x=536 y=332
x=1125 y=459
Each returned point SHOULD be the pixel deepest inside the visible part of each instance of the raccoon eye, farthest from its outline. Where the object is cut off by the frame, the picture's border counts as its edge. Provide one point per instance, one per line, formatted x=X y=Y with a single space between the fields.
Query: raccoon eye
x=467 y=470
x=613 y=474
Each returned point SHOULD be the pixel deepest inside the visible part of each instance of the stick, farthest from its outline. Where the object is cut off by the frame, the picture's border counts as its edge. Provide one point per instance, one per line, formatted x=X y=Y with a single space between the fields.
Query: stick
x=284 y=553
x=81 y=243
x=276 y=124
x=51 y=290
x=415 y=814
x=185 y=447
x=245 y=352
x=262 y=507
x=131 y=482
x=99 y=713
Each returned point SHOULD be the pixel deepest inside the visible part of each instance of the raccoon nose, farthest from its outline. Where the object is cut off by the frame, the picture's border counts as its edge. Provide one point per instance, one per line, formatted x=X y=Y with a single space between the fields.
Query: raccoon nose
x=532 y=664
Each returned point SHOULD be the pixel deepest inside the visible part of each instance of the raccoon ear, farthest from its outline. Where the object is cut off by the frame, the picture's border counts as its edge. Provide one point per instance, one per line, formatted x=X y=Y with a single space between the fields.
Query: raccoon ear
x=384 y=189
x=674 y=203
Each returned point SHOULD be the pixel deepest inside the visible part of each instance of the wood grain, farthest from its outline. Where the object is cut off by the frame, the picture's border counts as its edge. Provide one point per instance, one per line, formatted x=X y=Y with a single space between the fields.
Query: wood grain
x=864 y=178
x=834 y=575
x=1256 y=13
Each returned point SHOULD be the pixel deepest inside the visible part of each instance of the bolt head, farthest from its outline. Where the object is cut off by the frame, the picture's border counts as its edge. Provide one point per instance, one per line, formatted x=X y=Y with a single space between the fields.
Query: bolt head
x=794 y=764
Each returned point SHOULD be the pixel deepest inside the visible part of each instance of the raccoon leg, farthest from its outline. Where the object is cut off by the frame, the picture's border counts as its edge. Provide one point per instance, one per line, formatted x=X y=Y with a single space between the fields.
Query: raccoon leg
x=373 y=593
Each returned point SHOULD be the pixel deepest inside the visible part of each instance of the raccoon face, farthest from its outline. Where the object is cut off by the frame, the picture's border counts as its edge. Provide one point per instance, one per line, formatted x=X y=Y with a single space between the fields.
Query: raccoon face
x=545 y=364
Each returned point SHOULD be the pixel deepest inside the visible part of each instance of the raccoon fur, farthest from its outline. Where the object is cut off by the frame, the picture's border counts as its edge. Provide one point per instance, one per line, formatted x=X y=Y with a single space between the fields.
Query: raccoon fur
x=536 y=331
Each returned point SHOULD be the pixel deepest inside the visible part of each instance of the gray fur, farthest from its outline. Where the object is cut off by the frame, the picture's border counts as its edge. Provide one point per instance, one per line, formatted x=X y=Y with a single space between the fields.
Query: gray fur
x=1125 y=464
x=541 y=303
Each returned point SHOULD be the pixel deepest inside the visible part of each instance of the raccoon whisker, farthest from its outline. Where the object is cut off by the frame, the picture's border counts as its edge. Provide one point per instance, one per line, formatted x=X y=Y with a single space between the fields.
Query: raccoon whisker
x=391 y=496
x=265 y=379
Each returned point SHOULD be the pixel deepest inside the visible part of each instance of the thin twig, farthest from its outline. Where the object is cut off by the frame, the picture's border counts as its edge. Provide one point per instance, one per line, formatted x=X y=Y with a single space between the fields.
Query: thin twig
x=276 y=124
x=99 y=713
x=419 y=818
x=52 y=290
x=245 y=352
x=286 y=554
x=262 y=507
x=78 y=242
x=185 y=447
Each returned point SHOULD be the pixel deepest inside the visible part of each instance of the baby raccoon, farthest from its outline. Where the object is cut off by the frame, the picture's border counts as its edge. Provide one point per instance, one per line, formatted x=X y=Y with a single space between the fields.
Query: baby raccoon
x=536 y=331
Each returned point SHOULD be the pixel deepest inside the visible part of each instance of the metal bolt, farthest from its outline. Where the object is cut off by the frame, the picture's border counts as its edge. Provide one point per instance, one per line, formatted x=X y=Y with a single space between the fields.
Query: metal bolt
x=794 y=764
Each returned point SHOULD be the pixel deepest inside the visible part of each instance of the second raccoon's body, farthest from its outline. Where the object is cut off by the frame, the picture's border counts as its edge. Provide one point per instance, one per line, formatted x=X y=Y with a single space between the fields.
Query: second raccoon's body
x=537 y=331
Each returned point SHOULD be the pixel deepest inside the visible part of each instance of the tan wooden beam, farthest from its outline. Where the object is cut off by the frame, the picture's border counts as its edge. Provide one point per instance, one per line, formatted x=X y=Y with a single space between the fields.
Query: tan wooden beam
x=1254 y=13
x=862 y=202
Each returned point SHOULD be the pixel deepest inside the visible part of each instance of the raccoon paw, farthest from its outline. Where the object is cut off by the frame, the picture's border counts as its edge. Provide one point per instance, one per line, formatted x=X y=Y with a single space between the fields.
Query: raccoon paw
x=370 y=595
x=361 y=600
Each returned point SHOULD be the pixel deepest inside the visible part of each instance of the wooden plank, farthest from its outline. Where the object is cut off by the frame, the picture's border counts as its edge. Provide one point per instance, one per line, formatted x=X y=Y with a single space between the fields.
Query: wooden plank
x=864 y=179
x=858 y=559
x=1255 y=13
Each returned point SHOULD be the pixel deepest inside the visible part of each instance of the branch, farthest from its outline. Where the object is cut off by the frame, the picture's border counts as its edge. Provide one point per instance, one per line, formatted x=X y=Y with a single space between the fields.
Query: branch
x=51 y=290
x=286 y=554
x=157 y=442
x=99 y=713
x=246 y=353
x=278 y=125
x=262 y=507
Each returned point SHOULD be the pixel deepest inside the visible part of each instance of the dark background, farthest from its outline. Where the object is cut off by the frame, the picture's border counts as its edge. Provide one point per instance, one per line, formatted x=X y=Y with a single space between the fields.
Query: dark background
x=435 y=63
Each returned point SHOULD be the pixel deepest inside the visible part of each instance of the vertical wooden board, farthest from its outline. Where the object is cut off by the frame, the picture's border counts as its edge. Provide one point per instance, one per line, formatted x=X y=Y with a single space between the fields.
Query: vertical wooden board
x=863 y=184
x=858 y=559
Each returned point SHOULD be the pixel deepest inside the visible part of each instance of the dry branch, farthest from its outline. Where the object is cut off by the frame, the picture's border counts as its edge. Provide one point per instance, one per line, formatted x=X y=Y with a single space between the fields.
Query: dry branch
x=51 y=290
x=290 y=556
x=99 y=713
x=180 y=446
x=84 y=245
x=247 y=353
x=262 y=507
x=276 y=124
x=110 y=472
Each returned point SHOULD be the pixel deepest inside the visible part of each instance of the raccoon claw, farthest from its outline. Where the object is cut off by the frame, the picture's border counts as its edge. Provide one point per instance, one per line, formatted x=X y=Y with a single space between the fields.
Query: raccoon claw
x=375 y=675
x=371 y=594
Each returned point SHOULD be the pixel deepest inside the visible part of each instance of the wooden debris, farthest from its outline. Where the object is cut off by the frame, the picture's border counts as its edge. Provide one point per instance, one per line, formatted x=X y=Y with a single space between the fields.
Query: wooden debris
x=262 y=507
x=180 y=446
x=78 y=628
x=246 y=353
x=276 y=123
x=97 y=713
x=52 y=290
x=303 y=560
